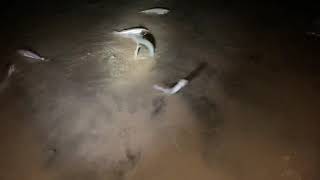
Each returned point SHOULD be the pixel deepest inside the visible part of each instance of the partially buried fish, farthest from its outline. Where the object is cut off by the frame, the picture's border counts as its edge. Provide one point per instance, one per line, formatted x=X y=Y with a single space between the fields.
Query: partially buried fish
x=137 y=35
x=155 y=11
x=141 y=41
x=31 y=55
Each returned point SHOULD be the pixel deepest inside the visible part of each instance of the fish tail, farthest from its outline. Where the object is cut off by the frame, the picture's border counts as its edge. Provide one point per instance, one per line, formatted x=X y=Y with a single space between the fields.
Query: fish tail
x=45 y=59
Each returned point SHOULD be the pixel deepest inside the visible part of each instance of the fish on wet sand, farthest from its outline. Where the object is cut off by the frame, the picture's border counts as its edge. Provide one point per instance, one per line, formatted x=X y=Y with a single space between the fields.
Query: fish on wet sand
x=142 y=42
x=5 y=82
x=12 y=69
x=32 y=56
x=137 y=34
x=132 y=32
x=155 y=11
x=173 y=90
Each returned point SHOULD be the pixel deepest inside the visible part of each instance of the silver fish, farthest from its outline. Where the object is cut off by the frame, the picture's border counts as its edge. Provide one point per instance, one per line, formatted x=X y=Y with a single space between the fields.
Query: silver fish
x=141 y=41
x=132 y=32
x=4 y=84
x=155 y=11
x=30 y=54
x=12 y=69
x=181 y=83
x=137 y=35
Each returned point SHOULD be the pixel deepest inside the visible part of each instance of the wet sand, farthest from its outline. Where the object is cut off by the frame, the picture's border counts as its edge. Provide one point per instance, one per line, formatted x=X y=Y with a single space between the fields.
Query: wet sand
x=250 y=112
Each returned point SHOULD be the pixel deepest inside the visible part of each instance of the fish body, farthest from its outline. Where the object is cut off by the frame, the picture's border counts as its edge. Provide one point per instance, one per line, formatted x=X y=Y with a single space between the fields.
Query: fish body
x=11 y=70
x=5 y=82
x=181 y=83
x=315 y=34
x=173 y=90
x=155 y=11
x=30 y=54
x=138 y=35
x=131 y=32
x=141 y=41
